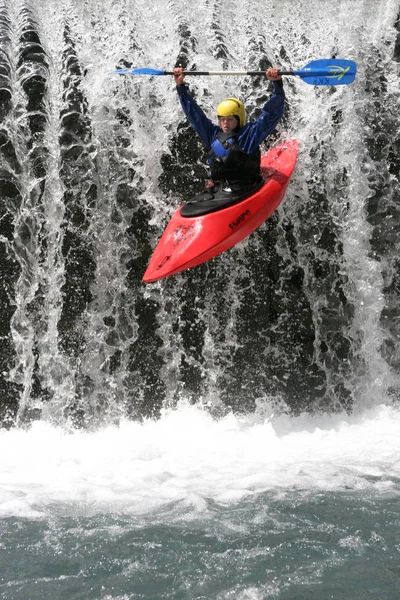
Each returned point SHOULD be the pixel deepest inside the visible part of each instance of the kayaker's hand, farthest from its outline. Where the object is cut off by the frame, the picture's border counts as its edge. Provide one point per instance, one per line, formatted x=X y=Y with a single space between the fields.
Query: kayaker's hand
x=273 y=74
x=179 y=75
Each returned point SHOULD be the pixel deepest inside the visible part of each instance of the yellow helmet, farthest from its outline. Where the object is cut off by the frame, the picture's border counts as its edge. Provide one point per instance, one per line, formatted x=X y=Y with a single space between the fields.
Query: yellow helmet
x=232 y=107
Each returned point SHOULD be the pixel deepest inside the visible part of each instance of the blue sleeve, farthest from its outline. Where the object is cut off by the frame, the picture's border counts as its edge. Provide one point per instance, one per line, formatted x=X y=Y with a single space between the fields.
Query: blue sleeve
x=254 y=133
x=202 y=125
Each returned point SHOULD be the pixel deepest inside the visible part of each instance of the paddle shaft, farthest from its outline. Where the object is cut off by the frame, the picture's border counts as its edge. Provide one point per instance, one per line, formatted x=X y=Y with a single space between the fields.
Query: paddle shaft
x=254 y=73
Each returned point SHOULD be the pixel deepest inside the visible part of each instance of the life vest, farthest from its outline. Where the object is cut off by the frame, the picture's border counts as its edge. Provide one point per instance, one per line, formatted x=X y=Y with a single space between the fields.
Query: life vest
x=229 y=163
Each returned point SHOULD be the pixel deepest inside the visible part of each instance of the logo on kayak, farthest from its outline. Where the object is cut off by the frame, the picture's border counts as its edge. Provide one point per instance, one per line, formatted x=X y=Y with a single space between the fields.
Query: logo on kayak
x=240 y=219
x=337 y=72
x=182 y=233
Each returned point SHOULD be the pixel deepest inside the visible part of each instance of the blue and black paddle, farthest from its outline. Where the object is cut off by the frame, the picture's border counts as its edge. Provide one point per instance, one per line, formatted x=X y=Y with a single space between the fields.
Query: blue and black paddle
x=325 y=71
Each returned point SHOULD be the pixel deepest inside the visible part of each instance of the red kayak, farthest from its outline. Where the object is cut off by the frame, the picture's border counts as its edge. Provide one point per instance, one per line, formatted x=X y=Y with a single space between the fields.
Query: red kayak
x=189 y=241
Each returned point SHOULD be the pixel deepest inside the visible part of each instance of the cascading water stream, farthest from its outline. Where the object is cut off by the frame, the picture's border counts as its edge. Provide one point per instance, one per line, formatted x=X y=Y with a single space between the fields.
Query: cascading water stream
x=92 y=167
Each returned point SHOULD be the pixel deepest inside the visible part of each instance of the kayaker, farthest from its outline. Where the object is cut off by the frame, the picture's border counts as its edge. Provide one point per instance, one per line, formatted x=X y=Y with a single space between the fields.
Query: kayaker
x=234 y=145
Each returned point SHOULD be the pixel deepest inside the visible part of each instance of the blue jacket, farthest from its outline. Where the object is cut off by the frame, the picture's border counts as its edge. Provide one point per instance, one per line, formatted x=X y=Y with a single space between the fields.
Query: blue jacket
x=250 y=136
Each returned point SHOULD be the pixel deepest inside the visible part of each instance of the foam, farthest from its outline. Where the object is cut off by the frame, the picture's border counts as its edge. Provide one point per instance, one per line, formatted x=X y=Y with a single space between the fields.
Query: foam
x=189 y=457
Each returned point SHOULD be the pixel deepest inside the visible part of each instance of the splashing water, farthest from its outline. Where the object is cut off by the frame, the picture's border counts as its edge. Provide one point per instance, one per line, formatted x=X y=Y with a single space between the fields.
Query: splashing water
x=93 y=167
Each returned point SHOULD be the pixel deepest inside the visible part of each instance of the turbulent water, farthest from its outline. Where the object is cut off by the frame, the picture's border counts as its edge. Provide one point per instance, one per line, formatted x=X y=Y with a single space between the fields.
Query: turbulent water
x=232 y=431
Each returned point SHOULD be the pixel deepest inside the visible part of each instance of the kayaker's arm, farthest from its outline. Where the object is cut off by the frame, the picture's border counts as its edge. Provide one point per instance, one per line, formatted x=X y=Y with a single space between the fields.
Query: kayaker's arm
x=272 y=111
x=256 y=132
x=202 y=125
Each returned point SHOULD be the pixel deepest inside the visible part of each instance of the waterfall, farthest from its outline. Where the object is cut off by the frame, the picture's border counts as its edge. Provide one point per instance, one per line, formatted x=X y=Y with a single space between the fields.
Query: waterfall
x=301 y=315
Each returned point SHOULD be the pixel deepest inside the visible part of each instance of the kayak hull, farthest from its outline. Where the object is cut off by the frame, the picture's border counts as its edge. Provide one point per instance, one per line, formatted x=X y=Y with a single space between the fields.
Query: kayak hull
x=191 y=241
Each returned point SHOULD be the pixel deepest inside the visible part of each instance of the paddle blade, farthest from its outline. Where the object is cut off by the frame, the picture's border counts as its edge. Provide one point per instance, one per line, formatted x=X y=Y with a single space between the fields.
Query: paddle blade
x=328 y=71
x=138 y=71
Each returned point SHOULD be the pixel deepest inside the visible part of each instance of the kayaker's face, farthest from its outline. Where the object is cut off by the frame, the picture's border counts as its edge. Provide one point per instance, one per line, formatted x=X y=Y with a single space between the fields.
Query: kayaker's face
x=227 y=123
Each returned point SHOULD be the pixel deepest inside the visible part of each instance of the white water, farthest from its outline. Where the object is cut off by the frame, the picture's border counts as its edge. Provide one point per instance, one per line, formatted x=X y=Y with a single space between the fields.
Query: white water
x=105 y=33
x=189 y=458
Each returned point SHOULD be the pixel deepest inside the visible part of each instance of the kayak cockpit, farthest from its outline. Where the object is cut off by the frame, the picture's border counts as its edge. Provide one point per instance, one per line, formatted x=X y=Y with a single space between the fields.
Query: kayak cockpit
x=216 y=197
